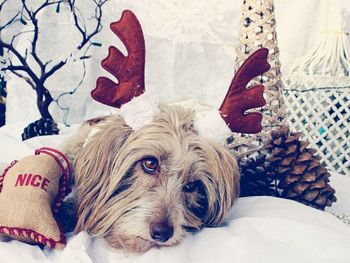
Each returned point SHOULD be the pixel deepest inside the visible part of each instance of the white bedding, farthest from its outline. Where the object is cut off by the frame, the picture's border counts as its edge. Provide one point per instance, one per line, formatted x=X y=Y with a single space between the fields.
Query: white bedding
x=259 y=229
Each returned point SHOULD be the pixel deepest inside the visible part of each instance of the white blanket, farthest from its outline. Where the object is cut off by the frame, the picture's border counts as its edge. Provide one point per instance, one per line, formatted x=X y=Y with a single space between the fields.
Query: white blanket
x=258 y=229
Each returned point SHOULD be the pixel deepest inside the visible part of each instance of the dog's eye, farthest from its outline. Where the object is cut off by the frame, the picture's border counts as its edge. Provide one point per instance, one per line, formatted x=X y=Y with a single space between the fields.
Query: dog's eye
x=191 y=186
x=149 y=164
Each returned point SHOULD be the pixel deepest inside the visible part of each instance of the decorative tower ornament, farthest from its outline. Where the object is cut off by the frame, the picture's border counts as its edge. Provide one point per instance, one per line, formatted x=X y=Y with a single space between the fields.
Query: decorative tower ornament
x=258 y=29
x=276 y=162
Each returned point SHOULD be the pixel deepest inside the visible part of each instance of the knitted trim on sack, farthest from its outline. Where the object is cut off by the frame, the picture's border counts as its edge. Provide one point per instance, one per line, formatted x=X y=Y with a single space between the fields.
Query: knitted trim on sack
x=37 y=237
x=2 y=177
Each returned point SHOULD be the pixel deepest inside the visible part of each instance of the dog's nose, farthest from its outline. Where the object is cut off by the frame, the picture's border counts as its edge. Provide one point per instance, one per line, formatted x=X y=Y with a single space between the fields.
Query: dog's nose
x=161 y=231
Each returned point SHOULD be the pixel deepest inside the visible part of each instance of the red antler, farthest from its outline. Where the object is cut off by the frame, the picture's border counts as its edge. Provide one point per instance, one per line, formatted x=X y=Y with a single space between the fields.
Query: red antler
x=129 y=70
x=239 y=99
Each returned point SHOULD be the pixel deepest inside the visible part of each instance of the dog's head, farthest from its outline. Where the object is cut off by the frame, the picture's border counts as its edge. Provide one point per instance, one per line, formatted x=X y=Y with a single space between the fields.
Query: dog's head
x=152 y=187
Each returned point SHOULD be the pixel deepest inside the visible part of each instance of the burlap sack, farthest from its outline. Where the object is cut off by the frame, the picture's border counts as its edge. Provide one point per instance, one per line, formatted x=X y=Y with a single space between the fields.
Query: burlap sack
x=31 y=191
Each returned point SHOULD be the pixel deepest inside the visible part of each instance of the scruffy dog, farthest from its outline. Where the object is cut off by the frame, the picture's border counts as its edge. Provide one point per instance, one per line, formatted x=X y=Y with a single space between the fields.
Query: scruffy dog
x=154 y=186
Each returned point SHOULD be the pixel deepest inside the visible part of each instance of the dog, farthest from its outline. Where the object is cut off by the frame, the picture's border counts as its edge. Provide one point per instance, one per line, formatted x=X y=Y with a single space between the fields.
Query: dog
x=151 y=187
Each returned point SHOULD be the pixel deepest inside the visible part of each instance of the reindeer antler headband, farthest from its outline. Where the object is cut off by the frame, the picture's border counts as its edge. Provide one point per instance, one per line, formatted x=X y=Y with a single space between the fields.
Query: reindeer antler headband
x=137 y=107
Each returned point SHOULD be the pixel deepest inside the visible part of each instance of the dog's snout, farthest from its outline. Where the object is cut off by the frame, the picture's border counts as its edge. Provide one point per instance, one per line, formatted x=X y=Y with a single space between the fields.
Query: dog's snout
x=161 y=231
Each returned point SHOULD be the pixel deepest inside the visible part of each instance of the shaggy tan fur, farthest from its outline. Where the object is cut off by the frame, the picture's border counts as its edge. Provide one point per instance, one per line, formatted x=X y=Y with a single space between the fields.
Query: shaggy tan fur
x=118 y=200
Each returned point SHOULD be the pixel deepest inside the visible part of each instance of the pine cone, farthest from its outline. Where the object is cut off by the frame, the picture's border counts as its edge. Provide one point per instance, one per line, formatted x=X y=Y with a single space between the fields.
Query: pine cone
x=292 y=170
x=39 y=128
x=254 y=179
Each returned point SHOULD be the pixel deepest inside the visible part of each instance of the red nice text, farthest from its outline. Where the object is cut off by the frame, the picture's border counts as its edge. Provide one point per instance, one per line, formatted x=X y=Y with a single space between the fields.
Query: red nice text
x=32 y=180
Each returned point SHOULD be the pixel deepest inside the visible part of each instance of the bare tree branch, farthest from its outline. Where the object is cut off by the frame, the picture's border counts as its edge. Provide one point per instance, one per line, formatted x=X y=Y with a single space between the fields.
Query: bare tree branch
x=26 y=54
x=15 y=68
x=25 y=78
x=10 y=22
x=21 y=59
x=45 y=4
x=24 y=68
x=26 y=8
x=34 y=21
x=43 y=101
x=48 y=62
x=32 y=17
x=53 y=70
x=2 y=4
x=17 y=35
x=80 y=25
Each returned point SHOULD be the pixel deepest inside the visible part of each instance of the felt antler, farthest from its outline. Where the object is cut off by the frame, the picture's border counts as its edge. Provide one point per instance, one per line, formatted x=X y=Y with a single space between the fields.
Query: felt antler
x=239 y=99
x=129 y=70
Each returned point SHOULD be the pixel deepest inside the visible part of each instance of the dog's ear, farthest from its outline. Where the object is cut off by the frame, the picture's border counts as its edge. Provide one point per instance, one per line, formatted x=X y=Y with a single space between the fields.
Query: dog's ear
x=75 y=142
x=94 y=165
x=224 y=187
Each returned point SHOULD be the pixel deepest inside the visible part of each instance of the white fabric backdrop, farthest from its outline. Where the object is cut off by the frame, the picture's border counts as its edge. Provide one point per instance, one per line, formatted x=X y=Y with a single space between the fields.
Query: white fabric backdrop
x=190 y=47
